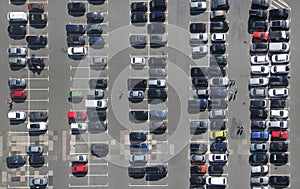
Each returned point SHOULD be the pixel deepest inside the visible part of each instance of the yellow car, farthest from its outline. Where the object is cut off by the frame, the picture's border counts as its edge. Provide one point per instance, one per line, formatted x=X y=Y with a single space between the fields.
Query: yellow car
x=213 y=135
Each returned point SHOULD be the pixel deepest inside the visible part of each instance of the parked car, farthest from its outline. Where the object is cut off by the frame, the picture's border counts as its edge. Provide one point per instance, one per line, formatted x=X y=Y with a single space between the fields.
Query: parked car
x=156 y=83
x=277 y=125
x=217 y=114
x=94 y=17
x=16 y=30
x=138 y=17
x=198 y=127
x=258 y=147
x=198 y=170
x=279 y=47
x=38 y=40
x=259 y=181
x=36 y=160
x=76 y=8
x=278 y=146
x=137 y=136
x=260 y=59
x=215 y=170
x=197 y=180
x=260 y=135
x=263 y=36
x=218 y=93
x=200 y=93
x=258 y=125
x=157 y=94
x=218 y=37
x=218 y=103
x=279 y=135
x=38 y=182
x=260 y=81
x=34 y=150
x=77 y=115
x=257 y=92
x=220 y=26
x=138 y=148
x=38 y=116
x=98 y=83
x=258 y=26
x=280 y=58
x=258 y=103
x=278 y=93
x=258 y=13
x=139 y=115
x=197 y=6
x=157 y=62
x=97 y=126
x=277 y=103
x=217 y=135
x=279 y=181
x=280 y=70
x=280 y=24
x=16 y=116
x=197 y=27
x=157 y=16
x=279 y=36
x=219 y=4
x=280 y=13
x=138 y=41
x=197 y=159
x=218 y=15
x=17 y=51
x=258 y=159
x=218 y=147
x=77 y=51
x=196 y=38
x=138 y=7
x=258 y=114
x=16 y=160
x=38 y=19
x=79 y=169
x=217 y=125
x=263 y=4
x=217 y=158
x=198 y=148
x=260 y=170
x=76 y=127
x=199 y=50
x=220 y=81
x=259 y=47
x=35 y=7
x=158 y=114
x=217 y=48
x=80 y=158
x=279 y=81
x=75 y=29
x=278 y=158
x=18 y=95
x=199 y=82
x=37 y=126
x=158 y=5
x=135 y=95
x=138 y=159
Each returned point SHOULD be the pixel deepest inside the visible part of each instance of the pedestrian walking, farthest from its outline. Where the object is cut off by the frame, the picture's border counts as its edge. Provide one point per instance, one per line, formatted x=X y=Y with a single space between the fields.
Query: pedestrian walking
x=242 y=130
x=236 y=89
x=10 y=103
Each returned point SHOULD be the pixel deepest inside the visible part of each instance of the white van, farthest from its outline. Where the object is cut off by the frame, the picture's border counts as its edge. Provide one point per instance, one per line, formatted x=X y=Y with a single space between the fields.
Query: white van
x=98 y=104
x=17 y=17
x=279 y=47
x=217 y=181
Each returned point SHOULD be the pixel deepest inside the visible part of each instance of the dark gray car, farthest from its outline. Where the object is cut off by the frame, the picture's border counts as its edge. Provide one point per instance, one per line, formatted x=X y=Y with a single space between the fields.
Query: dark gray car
x=198 y=127
x=138 y=41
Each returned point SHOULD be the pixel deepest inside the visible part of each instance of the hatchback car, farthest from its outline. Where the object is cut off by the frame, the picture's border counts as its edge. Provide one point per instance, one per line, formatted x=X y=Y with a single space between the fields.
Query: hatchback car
x=260 y=135
x=197 y=27
x=77 y=115
x=259 y=47
x=280 y=13
x=95 y=17
x=279 y=181
x=217 y=158
x=260 y=170
x=37 y=126
x=79 y=169
x=17 y=51
x=16 y=116
x=77 y=51
x=261 y=81
x=278 y=93
x=38 y=182
x=278 y=146
x=279 y=114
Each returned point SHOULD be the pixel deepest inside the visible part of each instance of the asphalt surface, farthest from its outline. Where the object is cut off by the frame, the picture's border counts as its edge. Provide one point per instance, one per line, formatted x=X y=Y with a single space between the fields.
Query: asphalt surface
x=48 y=91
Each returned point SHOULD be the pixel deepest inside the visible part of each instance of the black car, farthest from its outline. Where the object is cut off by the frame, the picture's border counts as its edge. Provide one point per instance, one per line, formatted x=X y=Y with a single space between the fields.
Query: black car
x=75 y=29
x=278 y=146
x=97 y=126
x=138 y=115
x=76 y=8
x=36 y=159
x=219 y=4
x=258 y=26
x=136 y=84
x=75 y=40
x=94 y=17
x=198 y=148
x=35 y=63
x=136 y=172
x=157 y=17
x=217 y=71
x=16 y=29
x=138 y=148
x=217 y=48
x=219 y=26
x=258 y=125
x=218 y=147
x=100 y=150
x=157 y=94
x=258 y=159
x=217 y=125
x=157 y=62
x=138 y=17
x=139 y=7
x=215 y=170
x=157 y=170
x=13 y=161
x=220 y=60
x=259 y=114
x=261 y=4
x=196 y=170
x=38 y=116
x=198 y=127
x=258 y=103
x=197 y=72
x=219 y=103
x=258 y=13
x=98 y=83
x=278 y=158
x=197 y=27
x=38 y=40
x=279 y=181
x=96 y=115
x=277 y=14
x=137 y=136
x=156 y=28
x=277 y=103
x=94 y=29
x=160 y=5
x=199 y=82
x=37 y=19
x=279 y=81
x=196 y=180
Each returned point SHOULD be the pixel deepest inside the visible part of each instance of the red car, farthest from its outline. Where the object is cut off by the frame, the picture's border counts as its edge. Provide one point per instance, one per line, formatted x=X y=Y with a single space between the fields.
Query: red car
x=79 y=169
x=36 y=7
x=18 y=94
x=282 y=135
x=78 y=115
x=261 y=35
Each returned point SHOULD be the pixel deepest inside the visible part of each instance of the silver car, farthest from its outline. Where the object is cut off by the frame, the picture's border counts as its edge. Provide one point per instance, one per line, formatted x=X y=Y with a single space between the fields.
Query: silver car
x=17 y=61
x=15 y=83
x=259 y=180
x=17 y=51
x=95 y=93
x=158 y=39
x=159 y=72
x=34 y=149
x=98 y=61
x=38 y=182
x=257 y=92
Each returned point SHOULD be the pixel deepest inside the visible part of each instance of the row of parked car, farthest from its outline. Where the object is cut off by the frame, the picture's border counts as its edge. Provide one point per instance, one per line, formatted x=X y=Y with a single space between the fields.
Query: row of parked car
x=139 y=148
x=214 y=98
x=17 y=59
x=269 y=45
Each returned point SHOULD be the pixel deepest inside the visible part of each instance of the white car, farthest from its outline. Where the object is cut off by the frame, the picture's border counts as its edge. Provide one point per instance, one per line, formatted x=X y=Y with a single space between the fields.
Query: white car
x=17 y=16
x=260 y=70
x=282 y=69
x=79 y=126
x=138 y=158
x=277 y=124
x=199 y=50
x=259 y=180
x=280 y=58
x=79 y=158
x=279 y=47
x=16 y=116
x=257 y=92
x=261 y=81
x=280 y=24
x=198 y=5
x=260 y=187
x=217 y=181
x=137 y=61
x=280 y=114
x=198 y=37
x=278 y=92
x=260 y=59
x=17 y=51
x=218 y=37
x=217 y=158
x=77 y=51
x=156 y=82
x=135 y=94
x=219 y=81
x=262 y=169
x=37 y=126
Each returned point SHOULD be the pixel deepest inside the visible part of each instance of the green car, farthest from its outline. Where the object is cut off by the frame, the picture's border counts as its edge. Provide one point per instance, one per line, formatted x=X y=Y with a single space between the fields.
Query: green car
x=75 y=95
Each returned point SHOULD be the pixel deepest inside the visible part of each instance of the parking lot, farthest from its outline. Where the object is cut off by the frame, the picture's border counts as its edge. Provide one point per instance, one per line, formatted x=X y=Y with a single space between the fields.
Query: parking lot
x=47 y=89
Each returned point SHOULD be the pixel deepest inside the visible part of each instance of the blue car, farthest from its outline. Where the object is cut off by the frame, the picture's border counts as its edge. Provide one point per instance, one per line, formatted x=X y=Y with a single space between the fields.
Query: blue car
x=96 y=40
x=222 y=93
x=260 y=135
x=139 y=147
x=75 y=29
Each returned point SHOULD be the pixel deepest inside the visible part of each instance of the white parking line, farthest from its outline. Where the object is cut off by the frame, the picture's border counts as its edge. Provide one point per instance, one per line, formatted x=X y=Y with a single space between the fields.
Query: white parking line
x=87 y=186
x=140 y=185
x=90 y=175
x=38 y=100
x=39 y=89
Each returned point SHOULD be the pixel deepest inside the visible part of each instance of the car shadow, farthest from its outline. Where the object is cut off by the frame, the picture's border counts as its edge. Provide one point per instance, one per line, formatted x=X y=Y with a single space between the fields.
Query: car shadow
x=79 y=174
x=75 y=100
x=78 y=132
x=14 y=122
x=154 y=177
x=141 y=24
x=17 y=37
x=17 y=2
x=38 y=26
x=37 y=165
x=16 y=68
x=76 y=14
x=137 y=176
x=36 y=133
x=158 y=131
x=14 y=166
x=18 y=100
x=99 y=2
x=194 y=13
x=35 y=47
